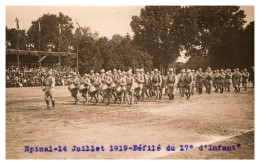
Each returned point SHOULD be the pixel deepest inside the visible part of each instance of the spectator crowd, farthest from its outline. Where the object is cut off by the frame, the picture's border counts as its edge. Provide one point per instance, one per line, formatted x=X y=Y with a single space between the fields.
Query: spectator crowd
x=34 y=76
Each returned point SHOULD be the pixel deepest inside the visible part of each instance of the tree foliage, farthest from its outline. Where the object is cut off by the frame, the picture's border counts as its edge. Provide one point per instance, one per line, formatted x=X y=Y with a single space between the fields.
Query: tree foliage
x=213 y=32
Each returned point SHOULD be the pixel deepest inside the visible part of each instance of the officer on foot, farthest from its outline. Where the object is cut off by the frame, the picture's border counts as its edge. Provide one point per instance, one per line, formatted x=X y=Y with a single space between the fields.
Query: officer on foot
x=49 y=89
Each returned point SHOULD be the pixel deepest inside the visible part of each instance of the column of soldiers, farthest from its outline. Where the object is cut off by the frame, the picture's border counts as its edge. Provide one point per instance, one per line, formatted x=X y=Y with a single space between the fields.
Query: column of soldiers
x=138 y=86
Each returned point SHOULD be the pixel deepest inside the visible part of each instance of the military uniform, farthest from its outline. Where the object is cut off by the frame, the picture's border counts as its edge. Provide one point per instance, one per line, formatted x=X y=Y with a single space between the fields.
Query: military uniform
x=200 y=80
x=130 y=88
x=170 y=82
x=245 y=76
x=49 y=89
x=188 y=83
x=222 y=77
x=228 y=80
x=208 y=81
x=74 y=92
x=156 y=81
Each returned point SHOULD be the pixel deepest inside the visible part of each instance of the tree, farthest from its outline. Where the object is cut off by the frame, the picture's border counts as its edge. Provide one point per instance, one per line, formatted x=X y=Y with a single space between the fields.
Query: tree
x=11 y=36
x=164 y=32
x=208 y=31
x=51 y=26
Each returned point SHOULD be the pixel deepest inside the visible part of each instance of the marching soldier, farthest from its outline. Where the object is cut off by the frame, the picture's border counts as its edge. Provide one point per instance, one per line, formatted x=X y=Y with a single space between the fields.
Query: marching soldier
x=97 y=84
x=193 y=81
x=130 y=88
x=170 y=81
x=199 y=79
x=216 y=79
x=237 y=78
x=228 y=80
x=156 y=81
x=140 y=81
x=245 y=76
x=49 y=90
x=121 y=87
x=222 y=77
x=74 y=91
x=109 y=82
x=92 y=76
x=181 y=82
x=187 y=83
x=208 y=80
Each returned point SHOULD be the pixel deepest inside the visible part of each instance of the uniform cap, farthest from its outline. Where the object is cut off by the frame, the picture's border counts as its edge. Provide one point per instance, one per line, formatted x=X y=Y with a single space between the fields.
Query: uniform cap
x=171 y=69
x=102 y=71
x=114 y=70
x=91 y=71
x=188 y=70
x=141 y=70
x=155 y=70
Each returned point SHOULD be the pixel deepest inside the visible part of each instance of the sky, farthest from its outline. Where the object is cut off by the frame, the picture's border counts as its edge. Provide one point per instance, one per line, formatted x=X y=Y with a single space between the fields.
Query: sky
x=106 y=20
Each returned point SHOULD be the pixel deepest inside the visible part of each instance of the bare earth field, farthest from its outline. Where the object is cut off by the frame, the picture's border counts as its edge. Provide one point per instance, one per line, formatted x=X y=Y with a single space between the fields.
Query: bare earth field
x=216 y=119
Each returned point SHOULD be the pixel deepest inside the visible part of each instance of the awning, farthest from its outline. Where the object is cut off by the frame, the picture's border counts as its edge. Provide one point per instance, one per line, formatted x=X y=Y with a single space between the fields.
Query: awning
x=36 y=53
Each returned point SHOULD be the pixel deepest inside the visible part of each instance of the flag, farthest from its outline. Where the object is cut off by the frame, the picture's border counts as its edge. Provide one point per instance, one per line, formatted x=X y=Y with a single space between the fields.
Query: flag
x=39 y=25
x=59 y=29
x=17 y=23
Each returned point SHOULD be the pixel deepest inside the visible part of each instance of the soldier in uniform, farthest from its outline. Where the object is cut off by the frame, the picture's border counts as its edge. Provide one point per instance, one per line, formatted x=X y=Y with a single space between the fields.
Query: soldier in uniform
x=115 y=78
x=130 y=88
x=181 y=81
x=121 y=87
x=92 y=76
x=170 y=81
x=109 y=82
x=193 y=81
x=216 y=79
x=222 y=77
x=208 y=80
x=188 y=83
x=74 y=92
x=228 y=80
x=245 y=76
x=237 y=80
x=139 y=78
x=97 y=84
x=156 y=81
x=200 y=80
x=49 y=89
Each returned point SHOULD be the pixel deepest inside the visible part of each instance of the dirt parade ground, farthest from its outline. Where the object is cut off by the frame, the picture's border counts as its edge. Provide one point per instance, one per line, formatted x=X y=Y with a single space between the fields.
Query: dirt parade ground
x=225 y=121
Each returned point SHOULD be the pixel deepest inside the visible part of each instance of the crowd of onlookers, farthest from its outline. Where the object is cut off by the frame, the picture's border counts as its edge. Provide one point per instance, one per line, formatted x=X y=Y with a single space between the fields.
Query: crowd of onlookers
x=34 y=76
